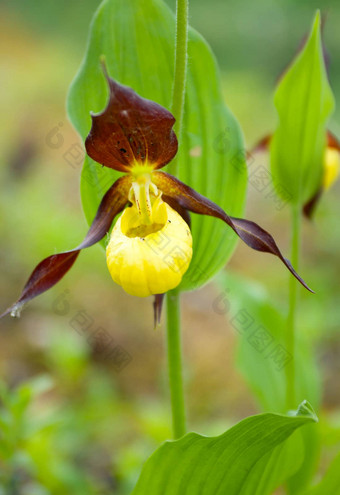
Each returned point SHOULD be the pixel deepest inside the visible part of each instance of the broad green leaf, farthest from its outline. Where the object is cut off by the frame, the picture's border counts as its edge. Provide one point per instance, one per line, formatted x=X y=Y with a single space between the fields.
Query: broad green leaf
x=218 y=465
x=330 y=484
x=261 y=357
x=137 y=39
x=304 y=102
x=277 y=466
x=311 y=440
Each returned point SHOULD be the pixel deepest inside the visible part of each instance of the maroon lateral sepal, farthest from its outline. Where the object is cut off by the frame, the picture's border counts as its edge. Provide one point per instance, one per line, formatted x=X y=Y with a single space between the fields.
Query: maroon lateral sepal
x=251 y=233
x=50 y=270
x=131 y=130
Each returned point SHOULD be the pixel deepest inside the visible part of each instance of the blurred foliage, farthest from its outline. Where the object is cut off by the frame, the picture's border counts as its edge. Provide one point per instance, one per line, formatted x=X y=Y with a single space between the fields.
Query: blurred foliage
x=73 y=434
x=69 y=420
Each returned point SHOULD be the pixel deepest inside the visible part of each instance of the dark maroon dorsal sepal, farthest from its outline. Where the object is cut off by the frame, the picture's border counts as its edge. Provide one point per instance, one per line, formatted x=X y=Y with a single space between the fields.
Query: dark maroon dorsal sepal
x=131 y=130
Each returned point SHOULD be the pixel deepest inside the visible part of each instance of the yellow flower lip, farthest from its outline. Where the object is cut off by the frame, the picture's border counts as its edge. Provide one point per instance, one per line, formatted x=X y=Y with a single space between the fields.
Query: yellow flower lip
x=331 y=167
x=155 y=263
x=151 y=245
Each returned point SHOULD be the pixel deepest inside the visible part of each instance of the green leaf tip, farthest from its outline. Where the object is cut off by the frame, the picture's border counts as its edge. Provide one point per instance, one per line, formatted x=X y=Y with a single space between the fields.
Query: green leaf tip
x=304 y=103
x=305 y=409
x=317 y=19
x=315 y=32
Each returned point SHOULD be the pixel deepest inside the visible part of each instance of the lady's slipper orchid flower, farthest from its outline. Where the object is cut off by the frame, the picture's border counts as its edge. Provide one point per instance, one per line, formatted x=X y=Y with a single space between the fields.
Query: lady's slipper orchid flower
x=331 y=168
x=135 y=136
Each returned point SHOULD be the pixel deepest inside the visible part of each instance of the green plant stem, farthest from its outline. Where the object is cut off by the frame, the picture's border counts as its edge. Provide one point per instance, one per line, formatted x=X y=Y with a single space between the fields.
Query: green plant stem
x=175 y=363
x=181 y=56
x=173 y=297
x=293 y=297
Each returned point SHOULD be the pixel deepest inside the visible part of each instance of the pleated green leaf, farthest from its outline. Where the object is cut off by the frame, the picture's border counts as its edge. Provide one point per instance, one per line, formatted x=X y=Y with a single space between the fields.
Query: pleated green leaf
x=220 y=465
x=304 y=102
x=261 y=357
x=274 y=468
x=301 y=478
x=137 y=39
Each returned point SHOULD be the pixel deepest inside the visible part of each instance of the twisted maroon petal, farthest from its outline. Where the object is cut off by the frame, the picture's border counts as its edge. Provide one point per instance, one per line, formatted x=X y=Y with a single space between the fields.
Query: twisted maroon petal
x=49 y=271
x=251 y=233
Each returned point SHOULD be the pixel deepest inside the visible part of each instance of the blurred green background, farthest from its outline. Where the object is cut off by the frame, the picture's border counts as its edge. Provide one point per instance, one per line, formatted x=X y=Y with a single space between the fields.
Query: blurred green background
x=73 y=417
